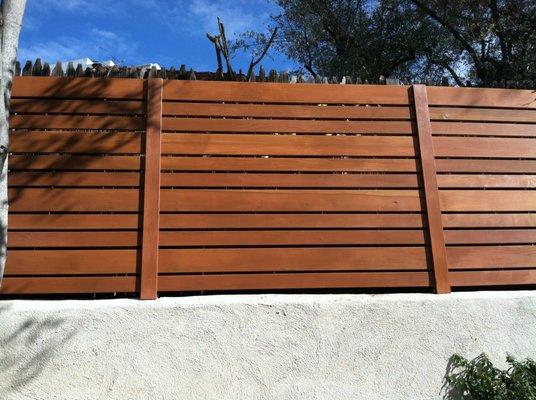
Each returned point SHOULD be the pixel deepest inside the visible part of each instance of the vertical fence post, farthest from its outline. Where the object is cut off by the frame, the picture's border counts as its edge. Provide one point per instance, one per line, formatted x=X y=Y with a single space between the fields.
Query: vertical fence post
x=431 y=192
x=151 y=190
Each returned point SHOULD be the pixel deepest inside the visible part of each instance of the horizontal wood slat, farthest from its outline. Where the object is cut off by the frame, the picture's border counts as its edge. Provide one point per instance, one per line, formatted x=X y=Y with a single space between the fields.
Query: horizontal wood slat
x=201 y=144
x=491 y=257
x=487 y=166
x=297 y=221
x=59 y=179
x=71 y=142
x=174 y=283
x=73 y=239
x=493 y=278
x=488 y=200
x=282 y=93
x=294 y=237
x=484 y=147
x=290 y=200
x=477 y=97
x=490 y=236
x=509 y=220
x=285 y=126
x=481 y=114
x=292 y=259
x=74 y=162
x=283 y=111
x=34 y=199
x=483 y=129
x=73 y=221
x=21 y=106
x=71 y=262
x=289 y=164
x=76 y=122
x=79 y=284
x=77 y=88
x=289 y=180
x=487 y=181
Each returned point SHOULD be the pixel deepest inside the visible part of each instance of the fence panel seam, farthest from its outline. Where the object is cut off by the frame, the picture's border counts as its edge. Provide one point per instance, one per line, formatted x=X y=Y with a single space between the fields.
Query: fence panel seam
x=151 y=192
x=431 y=191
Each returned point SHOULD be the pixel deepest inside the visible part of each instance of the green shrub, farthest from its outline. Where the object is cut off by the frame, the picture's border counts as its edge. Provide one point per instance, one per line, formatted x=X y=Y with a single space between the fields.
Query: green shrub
x=479 y=379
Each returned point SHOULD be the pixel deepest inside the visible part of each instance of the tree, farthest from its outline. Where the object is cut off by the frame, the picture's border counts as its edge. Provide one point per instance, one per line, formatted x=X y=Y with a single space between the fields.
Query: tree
x=473 y=42
x=11 y=20
x=257 y=43
x=493 y=41
x=351 y=37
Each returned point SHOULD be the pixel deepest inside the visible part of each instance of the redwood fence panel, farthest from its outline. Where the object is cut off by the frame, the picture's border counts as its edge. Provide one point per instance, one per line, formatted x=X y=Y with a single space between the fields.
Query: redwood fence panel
x=140 y=186
x=489 y=207
x=75 y=185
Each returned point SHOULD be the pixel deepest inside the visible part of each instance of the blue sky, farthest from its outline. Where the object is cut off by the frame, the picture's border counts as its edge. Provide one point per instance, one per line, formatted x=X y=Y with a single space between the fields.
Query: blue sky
x=168 y=32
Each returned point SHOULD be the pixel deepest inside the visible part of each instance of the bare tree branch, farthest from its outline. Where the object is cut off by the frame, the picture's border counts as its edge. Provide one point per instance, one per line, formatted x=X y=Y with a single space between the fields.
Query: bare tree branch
x=215 y=39
x=253 y=62
x=454 y=32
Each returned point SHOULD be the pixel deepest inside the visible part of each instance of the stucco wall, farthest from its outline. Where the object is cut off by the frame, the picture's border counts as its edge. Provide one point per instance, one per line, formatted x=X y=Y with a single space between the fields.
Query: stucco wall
x=255 y=347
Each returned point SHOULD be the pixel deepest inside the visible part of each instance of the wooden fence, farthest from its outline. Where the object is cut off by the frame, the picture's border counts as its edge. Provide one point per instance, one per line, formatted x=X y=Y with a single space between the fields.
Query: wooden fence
x=129 y=185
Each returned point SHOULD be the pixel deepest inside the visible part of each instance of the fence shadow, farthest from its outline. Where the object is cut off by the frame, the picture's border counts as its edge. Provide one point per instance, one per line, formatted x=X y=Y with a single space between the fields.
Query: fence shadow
x=27 y=350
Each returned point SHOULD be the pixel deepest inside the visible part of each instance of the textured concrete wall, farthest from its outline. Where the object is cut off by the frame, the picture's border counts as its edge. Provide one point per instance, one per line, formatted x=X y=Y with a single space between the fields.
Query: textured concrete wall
x=255 y=347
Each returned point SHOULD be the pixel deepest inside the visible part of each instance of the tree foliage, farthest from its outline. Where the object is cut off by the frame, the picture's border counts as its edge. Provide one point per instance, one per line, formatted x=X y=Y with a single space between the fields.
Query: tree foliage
x=479 y=379
x=472 y=42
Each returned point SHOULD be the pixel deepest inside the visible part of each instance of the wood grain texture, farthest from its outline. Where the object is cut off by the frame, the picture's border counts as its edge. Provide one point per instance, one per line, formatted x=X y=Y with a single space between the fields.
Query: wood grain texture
x=483 y=220
x=73 y=239
x=493 y=278
x=491 y=257
x=284 y=93
x=294 y=237
x=46 y=106
x=488 y=200
x=486 y=181
x=71 y=262
x=482 y=114
x=484 y=147
x=287 y=145
x=93 y=122
x=174 y=283
x=487 y=166
x=74 y=142
x=48 y=222
x=429 y=173
x=77 y=88
x=477 y=97
x=63 y=199
x=151 y=192
x=490 y=236
x=284 y=111
x=292 y=259
x=282 y=164
x=296 y=221
x=284 y=126
x=78 y=179
x=290 y=180
x=68 y=285
x=483 y=129
x=74 y=162
x=290 y=200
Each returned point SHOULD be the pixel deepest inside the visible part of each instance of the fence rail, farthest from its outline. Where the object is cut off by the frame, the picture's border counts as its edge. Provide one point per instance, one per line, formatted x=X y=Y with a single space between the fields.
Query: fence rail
x=142 y=186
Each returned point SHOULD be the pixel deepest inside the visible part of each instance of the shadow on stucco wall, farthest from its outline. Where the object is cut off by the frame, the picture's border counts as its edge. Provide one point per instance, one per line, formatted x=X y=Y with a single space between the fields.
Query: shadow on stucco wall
x=42 y=338
x=450 y=392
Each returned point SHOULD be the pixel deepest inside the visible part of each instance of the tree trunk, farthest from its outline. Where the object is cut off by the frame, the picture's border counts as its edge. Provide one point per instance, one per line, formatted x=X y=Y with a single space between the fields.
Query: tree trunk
x=10 y=24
